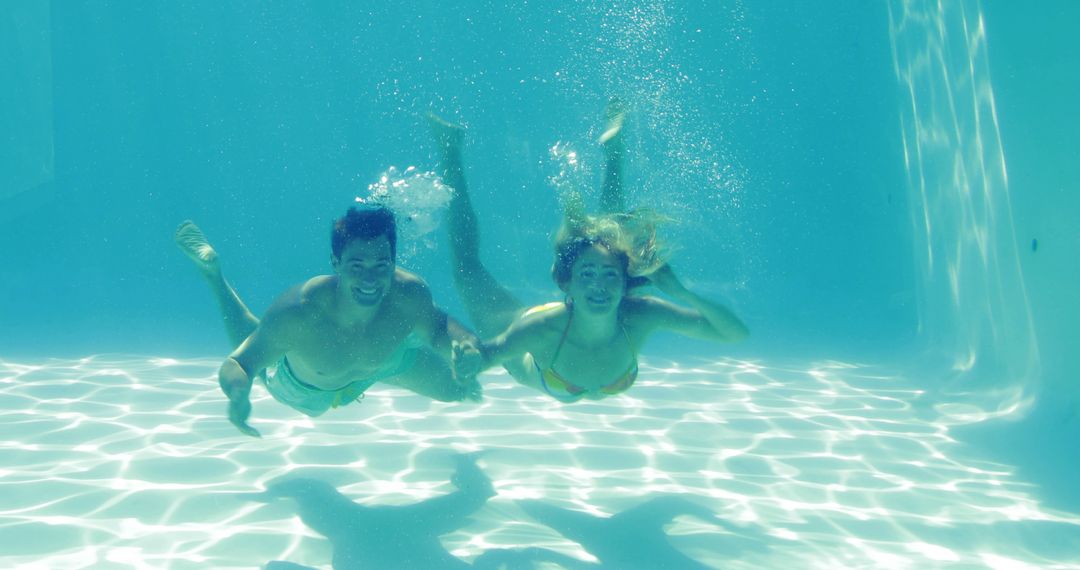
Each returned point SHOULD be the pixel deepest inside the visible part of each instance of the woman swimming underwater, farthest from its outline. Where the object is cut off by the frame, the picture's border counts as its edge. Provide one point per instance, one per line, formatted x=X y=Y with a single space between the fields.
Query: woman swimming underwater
x=587 y=345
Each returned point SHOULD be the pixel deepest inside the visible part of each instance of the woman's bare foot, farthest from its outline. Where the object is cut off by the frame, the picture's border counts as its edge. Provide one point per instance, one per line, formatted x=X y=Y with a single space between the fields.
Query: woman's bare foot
x=614 y=115
x=448 y=135
x=191 y=240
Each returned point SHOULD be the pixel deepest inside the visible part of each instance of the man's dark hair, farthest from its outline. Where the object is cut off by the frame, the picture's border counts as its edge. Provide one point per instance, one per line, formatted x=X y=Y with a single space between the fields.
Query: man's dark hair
x=367 y=223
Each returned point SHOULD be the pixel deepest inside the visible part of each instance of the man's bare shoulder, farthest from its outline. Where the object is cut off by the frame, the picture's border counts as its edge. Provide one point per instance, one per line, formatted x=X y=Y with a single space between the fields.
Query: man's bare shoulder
x=408 y=279
x=411 y=289
x=302 y=302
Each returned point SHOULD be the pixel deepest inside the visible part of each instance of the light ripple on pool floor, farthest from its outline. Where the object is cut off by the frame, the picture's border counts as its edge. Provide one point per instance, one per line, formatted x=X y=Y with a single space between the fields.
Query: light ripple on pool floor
x=128 y=462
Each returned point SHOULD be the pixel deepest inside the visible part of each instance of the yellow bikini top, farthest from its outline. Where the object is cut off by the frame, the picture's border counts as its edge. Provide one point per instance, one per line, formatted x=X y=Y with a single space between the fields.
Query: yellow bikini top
x=561 y=389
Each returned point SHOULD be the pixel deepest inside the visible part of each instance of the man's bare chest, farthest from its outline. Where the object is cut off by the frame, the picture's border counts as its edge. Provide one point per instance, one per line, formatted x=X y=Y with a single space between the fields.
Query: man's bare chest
x=331 y=356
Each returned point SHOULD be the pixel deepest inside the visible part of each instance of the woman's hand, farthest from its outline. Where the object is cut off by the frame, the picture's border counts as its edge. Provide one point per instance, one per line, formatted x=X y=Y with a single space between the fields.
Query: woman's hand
x=666 y=281
x=467 y=360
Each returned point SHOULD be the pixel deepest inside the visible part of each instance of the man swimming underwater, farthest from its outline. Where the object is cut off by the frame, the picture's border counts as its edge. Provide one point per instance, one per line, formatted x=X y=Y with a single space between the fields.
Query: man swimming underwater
x=332 y=337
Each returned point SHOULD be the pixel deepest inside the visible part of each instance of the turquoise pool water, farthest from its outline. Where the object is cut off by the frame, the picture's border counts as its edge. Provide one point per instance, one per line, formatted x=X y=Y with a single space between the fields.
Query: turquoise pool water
x=883 y=192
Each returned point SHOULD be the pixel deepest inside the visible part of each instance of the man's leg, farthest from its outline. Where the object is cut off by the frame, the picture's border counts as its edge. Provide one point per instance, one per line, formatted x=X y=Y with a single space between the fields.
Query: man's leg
x=239 y=321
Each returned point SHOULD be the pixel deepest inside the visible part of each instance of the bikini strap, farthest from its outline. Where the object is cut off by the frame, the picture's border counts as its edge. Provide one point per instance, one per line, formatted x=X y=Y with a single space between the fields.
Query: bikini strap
x=629 y=343
x=562 y=339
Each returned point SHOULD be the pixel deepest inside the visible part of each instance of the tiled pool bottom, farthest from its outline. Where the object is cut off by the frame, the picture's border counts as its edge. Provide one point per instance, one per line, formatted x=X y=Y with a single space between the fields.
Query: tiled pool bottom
x=129 y=462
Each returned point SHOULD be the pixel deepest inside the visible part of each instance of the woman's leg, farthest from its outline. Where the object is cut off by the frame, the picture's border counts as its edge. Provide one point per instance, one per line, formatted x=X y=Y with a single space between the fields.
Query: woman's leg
x=430 y=376
x=490 y=306
x=612 y=195
x=239 y=321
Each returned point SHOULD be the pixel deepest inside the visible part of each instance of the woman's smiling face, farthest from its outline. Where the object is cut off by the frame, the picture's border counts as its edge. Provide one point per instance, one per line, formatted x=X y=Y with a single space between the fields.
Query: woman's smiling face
x=597 y=281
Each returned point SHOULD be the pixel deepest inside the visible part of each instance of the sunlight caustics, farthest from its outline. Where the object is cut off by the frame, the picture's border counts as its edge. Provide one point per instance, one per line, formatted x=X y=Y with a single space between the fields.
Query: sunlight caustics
x=973 y=308
x=831 y=455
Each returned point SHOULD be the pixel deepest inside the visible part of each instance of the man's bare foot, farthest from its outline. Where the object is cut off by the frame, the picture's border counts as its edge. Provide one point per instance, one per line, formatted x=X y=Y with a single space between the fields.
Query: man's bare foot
x=191 y=240
x=447 y=134
x=614 y=115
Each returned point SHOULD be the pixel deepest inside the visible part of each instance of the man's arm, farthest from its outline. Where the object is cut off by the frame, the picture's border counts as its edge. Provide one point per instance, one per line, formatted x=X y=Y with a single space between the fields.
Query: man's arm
x=263 y=348
x=446 y=335
x=446 y=332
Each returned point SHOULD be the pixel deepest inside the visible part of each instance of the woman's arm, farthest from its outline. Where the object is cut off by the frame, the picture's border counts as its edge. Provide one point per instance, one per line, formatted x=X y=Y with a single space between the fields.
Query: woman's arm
x=528 y=333
x=704 y=319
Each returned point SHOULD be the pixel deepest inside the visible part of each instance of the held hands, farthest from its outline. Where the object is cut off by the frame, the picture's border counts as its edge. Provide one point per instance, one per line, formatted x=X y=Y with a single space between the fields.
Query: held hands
x=467 y=362
x=466 y=359
x=240 y=406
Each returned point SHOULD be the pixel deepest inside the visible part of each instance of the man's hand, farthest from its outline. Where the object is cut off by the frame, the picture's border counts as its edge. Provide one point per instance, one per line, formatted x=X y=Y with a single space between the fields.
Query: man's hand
x=467 y=362
x=239 y=411
x=240 y=406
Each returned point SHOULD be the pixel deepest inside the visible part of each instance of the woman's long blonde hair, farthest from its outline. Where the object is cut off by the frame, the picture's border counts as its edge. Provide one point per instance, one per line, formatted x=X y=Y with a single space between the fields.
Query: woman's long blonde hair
x=630 y=236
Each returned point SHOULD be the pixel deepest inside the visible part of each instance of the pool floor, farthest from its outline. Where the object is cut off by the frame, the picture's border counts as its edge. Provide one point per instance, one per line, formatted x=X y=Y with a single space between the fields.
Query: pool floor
x=129 y=462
